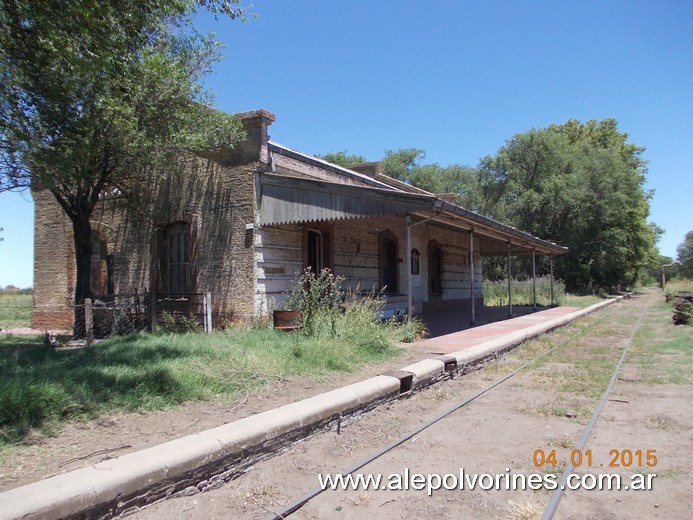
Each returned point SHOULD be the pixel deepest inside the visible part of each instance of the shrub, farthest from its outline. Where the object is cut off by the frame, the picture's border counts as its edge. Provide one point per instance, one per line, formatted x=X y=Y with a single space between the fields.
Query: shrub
x=318 y=296
x=359 y=324
x=178 y=323
x=412 y=330
x=683 y=312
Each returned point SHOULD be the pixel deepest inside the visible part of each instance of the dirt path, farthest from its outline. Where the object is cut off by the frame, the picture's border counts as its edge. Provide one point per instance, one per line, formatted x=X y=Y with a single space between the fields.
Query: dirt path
x=545 y=408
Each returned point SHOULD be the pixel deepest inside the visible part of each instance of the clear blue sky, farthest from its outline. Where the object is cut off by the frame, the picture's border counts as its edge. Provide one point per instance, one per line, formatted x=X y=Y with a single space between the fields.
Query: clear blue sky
x=455 y=78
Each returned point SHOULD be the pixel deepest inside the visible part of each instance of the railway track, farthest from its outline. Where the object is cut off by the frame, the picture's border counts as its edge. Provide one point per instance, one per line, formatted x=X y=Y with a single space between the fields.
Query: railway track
x=299 y=502
x=537 y=397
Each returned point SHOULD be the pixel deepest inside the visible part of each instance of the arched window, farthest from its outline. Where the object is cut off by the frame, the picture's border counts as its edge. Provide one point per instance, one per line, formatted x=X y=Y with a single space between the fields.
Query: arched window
x=388 y=249
x=435 y=268
x=317 y=247
x=315 y=250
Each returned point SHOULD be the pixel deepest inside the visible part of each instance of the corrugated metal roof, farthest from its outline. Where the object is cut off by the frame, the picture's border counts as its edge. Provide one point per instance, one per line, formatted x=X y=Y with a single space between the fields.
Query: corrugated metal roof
x=289 y=200
x=500 y=230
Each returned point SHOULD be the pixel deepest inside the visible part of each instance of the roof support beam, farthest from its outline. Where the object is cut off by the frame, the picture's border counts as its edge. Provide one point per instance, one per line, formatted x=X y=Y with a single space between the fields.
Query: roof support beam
x=534 y=282
x=410 y=302
x=551 y=275
x=510 y=284
x=410 y=299
x=471 y=272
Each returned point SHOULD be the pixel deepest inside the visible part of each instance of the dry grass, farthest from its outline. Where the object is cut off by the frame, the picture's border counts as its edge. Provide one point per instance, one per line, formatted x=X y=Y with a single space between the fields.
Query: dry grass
x=563 y=441
x=264 y=496
x=363 y=498
x=529 y=510
x=436 y=394
x=660 y=422
x=557 y=408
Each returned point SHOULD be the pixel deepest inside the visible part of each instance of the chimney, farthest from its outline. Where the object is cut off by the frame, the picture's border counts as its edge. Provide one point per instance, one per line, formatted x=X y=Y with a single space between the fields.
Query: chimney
x=254 y=146
x=371 y=168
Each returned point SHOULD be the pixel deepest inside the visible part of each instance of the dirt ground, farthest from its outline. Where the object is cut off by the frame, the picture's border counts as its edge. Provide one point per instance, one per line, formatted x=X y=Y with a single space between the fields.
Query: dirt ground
x=497 y=434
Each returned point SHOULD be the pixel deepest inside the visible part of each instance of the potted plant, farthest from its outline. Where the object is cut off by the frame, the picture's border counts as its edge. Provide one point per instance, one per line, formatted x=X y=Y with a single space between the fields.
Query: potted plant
x=290 y=317
x=287 y=319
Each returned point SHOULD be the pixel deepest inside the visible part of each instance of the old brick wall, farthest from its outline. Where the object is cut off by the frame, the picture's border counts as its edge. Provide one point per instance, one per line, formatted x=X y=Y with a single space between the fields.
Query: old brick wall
x=54 y=266
x=217 y=202
x=215 y=195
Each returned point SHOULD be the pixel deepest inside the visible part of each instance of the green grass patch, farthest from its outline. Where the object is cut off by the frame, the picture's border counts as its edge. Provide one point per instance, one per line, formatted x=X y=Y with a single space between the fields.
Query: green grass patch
x=584 y=356
x=496 y=292
x=15 y=310
x=40 y=388
x=679 y=284
x=574 y=300
x=663 y=351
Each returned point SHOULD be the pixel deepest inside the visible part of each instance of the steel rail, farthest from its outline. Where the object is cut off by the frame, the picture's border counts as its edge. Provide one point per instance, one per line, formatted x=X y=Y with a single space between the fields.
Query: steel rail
x=558 y=493
x=295 y=505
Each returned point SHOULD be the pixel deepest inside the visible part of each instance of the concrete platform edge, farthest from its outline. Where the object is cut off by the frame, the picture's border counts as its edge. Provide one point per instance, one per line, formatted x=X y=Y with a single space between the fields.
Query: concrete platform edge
x=115 y=486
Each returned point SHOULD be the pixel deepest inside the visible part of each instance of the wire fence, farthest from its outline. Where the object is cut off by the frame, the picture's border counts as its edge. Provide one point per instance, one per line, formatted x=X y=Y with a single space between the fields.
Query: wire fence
x=116 y=315
x=15 y=311
x=105 y=316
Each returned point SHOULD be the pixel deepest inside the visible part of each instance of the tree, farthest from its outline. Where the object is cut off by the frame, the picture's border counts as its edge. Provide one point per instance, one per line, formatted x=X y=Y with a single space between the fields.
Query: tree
x=581 y=185
x=343 y=159
x=406 y=165
x=94 y=92
x=684 y=254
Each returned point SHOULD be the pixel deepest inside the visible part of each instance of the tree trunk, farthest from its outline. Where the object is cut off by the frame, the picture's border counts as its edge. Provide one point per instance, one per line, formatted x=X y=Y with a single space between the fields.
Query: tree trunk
x=84 y=250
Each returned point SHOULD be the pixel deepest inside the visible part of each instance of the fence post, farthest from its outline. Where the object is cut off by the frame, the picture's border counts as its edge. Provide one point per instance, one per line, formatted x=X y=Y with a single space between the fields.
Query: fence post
x=208 y=312
x=88 y=322
x=204 y=312
x=152 y=310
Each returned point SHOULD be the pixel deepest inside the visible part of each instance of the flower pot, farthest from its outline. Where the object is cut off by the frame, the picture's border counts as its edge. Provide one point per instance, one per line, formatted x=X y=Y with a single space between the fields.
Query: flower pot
x=287 y=320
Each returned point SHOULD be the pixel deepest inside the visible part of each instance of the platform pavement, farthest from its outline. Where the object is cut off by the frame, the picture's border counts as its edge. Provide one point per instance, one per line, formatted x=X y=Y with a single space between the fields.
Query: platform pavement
x=459 y=340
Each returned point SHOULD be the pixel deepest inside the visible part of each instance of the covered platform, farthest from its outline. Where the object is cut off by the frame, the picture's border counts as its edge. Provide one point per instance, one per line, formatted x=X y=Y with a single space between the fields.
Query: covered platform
x=303 y=190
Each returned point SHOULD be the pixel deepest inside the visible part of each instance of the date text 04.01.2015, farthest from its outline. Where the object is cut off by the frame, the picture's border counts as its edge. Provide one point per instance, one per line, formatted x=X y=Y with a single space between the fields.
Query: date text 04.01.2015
x=617 y=458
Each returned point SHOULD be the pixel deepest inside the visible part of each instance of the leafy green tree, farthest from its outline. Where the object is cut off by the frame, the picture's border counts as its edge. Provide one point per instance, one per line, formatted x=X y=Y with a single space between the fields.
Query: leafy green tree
x=684 y=254
x=581 y=185
x=652 y=273
x=343 y=159
x=400 y=164
x=94 y=92
x=462 y=181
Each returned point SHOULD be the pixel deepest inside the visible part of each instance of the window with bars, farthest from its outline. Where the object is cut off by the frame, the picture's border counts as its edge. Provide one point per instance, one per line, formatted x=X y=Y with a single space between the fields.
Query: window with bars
x=177 y=259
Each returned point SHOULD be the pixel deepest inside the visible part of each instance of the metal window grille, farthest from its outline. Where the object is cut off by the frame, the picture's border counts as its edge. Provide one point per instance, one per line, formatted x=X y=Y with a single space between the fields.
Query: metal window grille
x=178 y=258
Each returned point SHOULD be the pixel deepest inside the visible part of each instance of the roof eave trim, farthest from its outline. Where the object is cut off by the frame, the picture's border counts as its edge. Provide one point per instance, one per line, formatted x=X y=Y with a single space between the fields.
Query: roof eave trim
x=503 y=228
